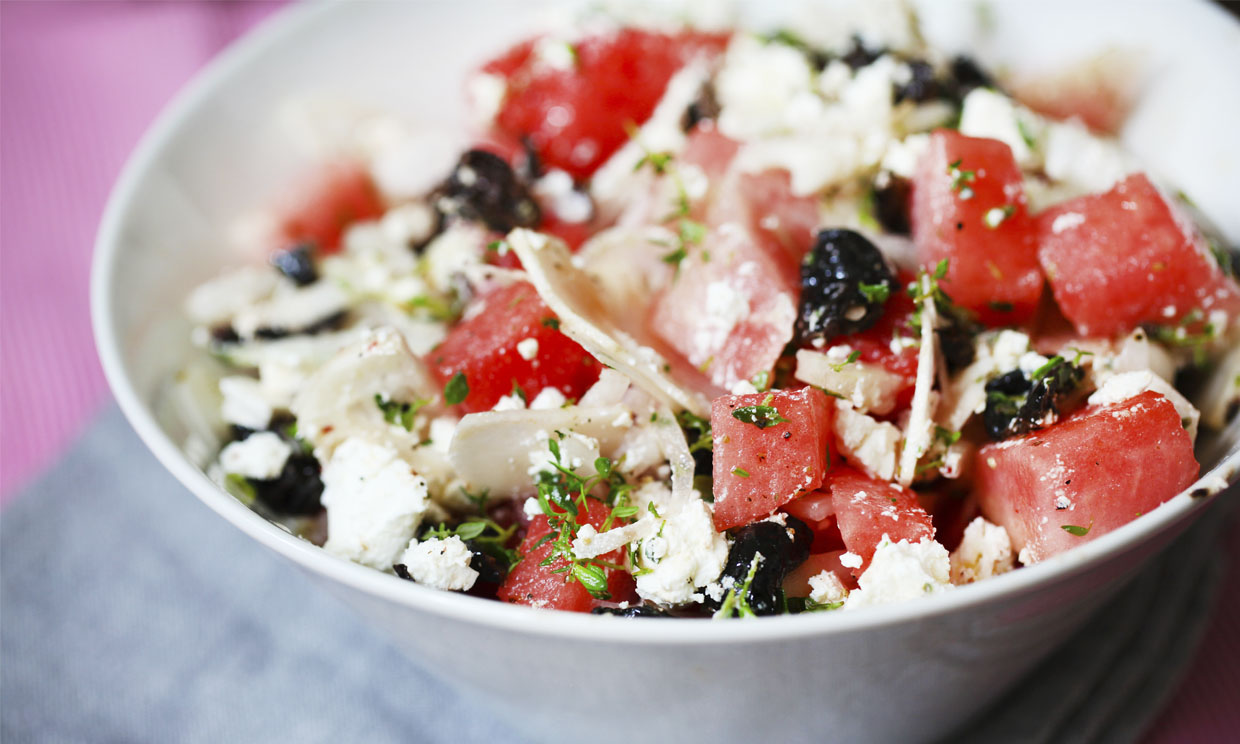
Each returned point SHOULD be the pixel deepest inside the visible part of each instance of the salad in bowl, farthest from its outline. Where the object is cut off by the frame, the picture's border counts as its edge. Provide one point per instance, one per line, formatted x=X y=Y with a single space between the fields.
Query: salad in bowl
x=705 y=322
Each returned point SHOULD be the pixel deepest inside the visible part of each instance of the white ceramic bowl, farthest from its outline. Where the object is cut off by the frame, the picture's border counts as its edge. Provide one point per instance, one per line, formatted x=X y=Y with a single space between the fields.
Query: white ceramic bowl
x=896 y=673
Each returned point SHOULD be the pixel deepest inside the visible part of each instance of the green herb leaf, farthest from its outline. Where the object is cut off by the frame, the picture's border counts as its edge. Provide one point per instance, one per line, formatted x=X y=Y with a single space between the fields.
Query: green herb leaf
x=552 y=323
x=760 y=416
x=762 y=381
x=997 y=215
x=1077 y=530
x=1048 y=367
x=691 y=232
x=401 y=414
x=740 y=472
x=875 y=292
x=852 y=357
x=456 y=390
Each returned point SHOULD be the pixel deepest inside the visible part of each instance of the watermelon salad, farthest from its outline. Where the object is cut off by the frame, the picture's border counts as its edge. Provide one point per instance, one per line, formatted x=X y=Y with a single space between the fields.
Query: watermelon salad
x=707 y=322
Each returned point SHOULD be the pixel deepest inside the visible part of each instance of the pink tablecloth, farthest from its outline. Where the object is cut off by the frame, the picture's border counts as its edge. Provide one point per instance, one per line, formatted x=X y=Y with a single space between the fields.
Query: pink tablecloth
x=79 y=82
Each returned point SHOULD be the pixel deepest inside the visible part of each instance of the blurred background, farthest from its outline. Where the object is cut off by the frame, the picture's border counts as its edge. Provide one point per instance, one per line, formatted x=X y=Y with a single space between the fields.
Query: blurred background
x=79 y=83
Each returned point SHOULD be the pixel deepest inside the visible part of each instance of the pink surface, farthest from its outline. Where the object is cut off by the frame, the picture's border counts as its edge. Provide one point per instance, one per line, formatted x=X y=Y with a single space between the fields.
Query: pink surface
x=79 y=82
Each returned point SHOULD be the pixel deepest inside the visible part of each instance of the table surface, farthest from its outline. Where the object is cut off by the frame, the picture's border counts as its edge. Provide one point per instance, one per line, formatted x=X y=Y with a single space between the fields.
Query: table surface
x=79 y=83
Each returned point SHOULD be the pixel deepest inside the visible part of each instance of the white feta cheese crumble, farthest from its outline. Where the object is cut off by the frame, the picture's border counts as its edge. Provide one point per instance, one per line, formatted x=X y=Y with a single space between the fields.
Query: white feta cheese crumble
x=527 y=348
x=985 y=551
x=850 y=560
x=872 y=444
x=440 y=563
x=485 y=93
x=509 y=403
x=531 y=507
x=374 y=503
x=902 y=571
x=548 y=398
x=260 y=456
x=244 y=403
x=988 y=113
x=826 y=588
x=590 y=543
x=1121 y=387
x=685 y=553
x=1067 y=221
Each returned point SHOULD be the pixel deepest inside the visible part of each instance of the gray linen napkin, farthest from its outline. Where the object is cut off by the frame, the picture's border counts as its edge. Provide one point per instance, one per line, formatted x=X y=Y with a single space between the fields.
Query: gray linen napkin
x=131 y=613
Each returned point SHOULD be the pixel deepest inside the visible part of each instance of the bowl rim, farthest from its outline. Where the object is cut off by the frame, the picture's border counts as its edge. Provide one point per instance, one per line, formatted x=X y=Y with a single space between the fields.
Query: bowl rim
x=290 y=21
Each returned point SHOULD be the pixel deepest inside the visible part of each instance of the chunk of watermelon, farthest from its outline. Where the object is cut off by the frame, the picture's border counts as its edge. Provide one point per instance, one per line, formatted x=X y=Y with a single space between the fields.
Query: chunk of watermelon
x=968 y=206
x=1096 y=470
x=817 y=511
x=575 y=115
x=867 y=508
x=321 y=206
x=796 y=583
x=529 y=583
x=759 y=467
x=487 y=347
x=1125 y=257
x=730 y=309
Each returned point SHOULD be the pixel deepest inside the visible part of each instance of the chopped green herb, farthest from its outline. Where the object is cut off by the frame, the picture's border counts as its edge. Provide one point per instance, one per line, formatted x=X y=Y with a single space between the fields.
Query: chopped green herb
x=1047 y=368
x=1025 y=134
x=456 y=389
x=401 y=414
x=697 y=430
x=435 y=307
x=675 y=257
x=761 y=381
x=1077 y=530
x=760 y=416
x=740 y=472
x=241 y=488
x=658 y=161
x=691 y=232
x=497 y=246
x=852 y=357
x=961 y=179
x=736 y=601
x=551 y=322
x=875 y=292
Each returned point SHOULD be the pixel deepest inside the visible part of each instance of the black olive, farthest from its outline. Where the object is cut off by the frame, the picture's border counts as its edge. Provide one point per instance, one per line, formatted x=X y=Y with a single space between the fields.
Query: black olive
x=781 y=553
x=922 y=85
x=402 y=571
x=704 y=107
x=858 y=56
x=483 y=187
x=892 y=195
x=1017 y=405
x=296 y=490
x=956 y=343
x=297 y=263
x=328 y=323
x=531 y=166
x=224 y=334
x=490 y=569
x=634 y=611
x=965 y=75
x=832 y=301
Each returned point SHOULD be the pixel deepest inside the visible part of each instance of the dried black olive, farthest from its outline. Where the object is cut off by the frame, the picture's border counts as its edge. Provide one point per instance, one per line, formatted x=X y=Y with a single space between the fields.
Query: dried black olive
x=297 y=263
x=842 y=280
x=490 y=569
x=781 y=553
x=858 y=55
x=704 y=107
x=965 y=75
x=1017 y=405
x=328 y=323
x=892 y=195
x=922 y=86
x=484 y=187
x=634 y=611
x=224 y=334
x=296 y=490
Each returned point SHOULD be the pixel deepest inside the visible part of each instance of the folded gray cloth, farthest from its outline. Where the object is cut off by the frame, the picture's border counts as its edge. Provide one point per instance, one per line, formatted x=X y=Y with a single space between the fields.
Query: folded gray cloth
x=131 y=613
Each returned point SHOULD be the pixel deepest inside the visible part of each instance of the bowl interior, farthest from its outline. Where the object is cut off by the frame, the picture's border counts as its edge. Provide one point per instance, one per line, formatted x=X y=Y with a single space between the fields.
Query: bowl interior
x=222 y=148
